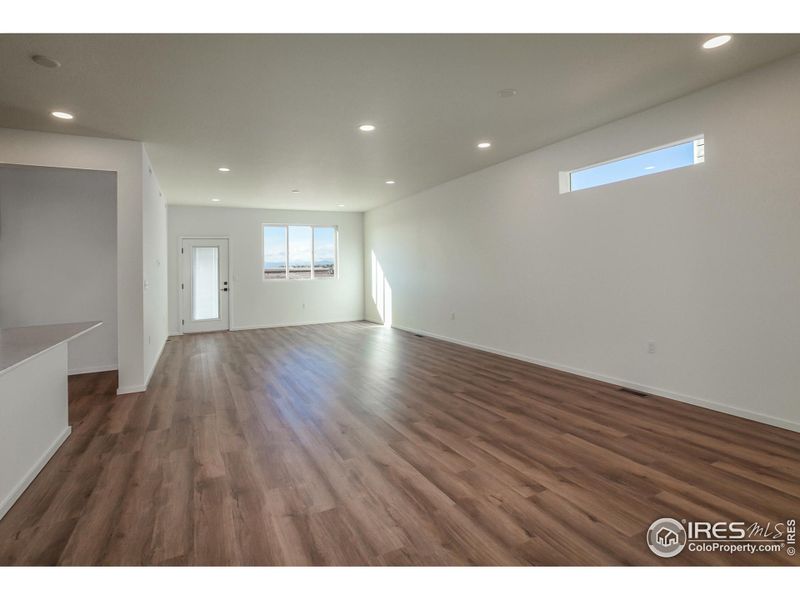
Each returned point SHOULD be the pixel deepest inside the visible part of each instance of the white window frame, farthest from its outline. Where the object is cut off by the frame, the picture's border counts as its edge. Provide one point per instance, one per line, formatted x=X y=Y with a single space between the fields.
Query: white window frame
x=565 y=177
x=313 y=253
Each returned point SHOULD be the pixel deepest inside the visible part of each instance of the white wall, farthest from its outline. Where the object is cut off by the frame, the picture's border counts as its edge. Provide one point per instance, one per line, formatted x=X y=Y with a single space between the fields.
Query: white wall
x=33 y=420
x=124 y=157
x=154 y=247
x=704 y=261
x=58 y=256
x=257 y=303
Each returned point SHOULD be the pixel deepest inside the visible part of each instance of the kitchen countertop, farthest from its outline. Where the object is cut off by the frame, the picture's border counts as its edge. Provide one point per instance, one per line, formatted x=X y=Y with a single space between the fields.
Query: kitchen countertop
x=20 y=344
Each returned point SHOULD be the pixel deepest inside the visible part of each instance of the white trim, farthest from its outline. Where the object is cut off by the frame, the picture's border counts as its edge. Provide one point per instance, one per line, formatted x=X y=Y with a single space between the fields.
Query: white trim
x=296 y=324
x=101 y=369
x=155 y=363
x=23 y=484
x=709 y=404
x=131 y=389
x=136 y=389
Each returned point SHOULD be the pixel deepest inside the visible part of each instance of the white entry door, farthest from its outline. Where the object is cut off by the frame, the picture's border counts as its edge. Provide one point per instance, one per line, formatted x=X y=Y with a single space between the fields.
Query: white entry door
x=204 y=285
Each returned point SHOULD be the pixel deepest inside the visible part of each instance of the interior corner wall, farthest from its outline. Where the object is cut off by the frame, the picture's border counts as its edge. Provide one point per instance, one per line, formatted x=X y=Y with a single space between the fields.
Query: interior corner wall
x=18 y=147
x=701 y=261
x=255 y=303
x=154 y=249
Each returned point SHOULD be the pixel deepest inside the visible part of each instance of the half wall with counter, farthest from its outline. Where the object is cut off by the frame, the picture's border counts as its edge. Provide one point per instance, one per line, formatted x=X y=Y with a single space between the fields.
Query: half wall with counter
x=33 y=401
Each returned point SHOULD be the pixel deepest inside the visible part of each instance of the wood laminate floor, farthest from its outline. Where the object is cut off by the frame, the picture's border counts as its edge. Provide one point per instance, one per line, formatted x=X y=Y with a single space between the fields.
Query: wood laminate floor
x=352 y=444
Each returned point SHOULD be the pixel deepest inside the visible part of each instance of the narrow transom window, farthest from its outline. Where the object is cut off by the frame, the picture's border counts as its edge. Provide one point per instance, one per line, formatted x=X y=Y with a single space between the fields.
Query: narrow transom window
x=658 y=160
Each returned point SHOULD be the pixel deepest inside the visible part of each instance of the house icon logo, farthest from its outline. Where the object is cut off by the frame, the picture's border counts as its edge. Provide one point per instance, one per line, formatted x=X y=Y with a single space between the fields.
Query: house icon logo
x=666 y=537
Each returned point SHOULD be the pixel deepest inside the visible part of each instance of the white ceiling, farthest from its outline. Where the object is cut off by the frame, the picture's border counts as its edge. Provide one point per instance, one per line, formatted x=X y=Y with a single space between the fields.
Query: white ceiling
x=282 y=111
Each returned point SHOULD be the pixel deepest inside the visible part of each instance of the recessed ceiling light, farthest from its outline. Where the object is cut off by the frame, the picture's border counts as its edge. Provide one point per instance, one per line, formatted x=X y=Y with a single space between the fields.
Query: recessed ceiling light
x=340 y=205
x=295 y=191
x=717 y=41
x=507 y=93
x=390 y=182
x=45 y=61
x=649 y=167
x=484 y=145
x=366 y=127
x=216 y=200
x=223 y=170
x=58 y=114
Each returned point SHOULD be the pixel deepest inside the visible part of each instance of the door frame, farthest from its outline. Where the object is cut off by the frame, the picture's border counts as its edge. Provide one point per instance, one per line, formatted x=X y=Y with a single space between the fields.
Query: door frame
x=181 y=239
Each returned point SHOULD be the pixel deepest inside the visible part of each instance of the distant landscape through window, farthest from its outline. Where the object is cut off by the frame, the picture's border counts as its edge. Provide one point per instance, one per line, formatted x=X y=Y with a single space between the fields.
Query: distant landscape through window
x=290 y=251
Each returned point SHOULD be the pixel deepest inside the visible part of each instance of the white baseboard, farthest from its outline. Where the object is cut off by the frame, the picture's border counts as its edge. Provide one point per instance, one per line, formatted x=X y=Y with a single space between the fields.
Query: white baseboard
x=131 y=389
x=136 y=389
x=155 y=363
x=296 y=324
x=702 y=402
x=83 y=370
x=23 y=484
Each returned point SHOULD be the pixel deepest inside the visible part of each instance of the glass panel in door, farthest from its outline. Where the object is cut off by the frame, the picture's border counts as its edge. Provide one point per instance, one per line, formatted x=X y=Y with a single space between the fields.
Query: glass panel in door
x=205 y=283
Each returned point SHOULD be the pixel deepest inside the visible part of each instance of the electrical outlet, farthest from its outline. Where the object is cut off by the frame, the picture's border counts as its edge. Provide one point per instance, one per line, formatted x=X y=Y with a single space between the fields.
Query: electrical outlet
x=651 y=347
x=452 y=316
x=304 y=304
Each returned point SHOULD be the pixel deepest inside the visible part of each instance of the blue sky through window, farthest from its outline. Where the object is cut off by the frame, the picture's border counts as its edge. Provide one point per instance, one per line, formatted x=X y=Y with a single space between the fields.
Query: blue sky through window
x=275 y=247
x=324 y=246
x=647 y=163
x=299 y=246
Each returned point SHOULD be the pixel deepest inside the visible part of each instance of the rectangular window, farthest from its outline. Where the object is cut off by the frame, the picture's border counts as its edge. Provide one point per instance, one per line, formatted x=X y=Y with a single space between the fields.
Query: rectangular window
x=205 y=283
x=300 y=252
x=675 y=156
x=274 y=252
x=324 y=252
